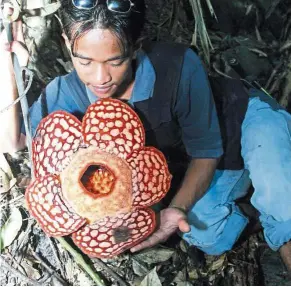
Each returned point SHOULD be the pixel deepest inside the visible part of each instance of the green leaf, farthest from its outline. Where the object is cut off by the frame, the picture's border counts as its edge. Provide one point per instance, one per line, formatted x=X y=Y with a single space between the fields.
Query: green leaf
x=10 y=229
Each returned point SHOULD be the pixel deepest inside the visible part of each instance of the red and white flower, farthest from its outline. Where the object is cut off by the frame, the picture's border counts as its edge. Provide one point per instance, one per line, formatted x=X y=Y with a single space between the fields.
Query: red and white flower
x=95 y=179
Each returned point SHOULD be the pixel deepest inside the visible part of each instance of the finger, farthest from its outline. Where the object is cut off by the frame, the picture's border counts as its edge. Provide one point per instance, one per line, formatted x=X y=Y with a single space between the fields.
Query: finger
x=154 y=239
x=184 y=225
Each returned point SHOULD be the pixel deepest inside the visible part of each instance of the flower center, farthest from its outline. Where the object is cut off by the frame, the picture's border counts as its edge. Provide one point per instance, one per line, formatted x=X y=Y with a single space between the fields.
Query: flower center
x=98 y=179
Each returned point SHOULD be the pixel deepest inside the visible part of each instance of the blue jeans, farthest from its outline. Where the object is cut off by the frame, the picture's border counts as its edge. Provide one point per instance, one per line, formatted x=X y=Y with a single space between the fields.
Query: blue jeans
x=216 y=222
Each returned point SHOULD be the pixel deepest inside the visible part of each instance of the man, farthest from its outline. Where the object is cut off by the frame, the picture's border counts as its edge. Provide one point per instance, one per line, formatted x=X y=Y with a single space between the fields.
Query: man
x=109 y=61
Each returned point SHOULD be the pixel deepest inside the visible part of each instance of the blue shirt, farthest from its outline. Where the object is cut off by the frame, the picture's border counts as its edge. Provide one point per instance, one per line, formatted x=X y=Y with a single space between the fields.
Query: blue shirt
x=195 y=109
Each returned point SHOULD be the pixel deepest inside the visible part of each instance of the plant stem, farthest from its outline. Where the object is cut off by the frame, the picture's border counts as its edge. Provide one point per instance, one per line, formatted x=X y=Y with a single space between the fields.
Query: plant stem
x=80 y=260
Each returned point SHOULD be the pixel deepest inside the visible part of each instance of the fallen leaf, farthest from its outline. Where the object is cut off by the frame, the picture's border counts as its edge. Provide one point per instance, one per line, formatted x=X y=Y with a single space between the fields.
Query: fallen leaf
x=10 y=229
x=23 y=181
x=4 y=165
x=138 y=268
x=215 y=265
x=180 y=279
x=4 y=181
x=183 y=246
x=69 y=269
x=212 y=277
x=154 y=255
x=193 y=274
x=7 y=180
x=12 y=182
x=83 y=279
x=151 y=279
x=30 y=271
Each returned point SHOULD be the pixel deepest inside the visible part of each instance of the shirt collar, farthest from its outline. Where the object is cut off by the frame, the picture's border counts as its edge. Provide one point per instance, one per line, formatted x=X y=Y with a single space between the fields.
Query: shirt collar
x=145 y=78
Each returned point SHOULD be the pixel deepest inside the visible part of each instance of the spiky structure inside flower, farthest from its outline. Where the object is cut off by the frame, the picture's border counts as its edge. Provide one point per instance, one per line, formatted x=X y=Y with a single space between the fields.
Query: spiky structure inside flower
x=95 y=179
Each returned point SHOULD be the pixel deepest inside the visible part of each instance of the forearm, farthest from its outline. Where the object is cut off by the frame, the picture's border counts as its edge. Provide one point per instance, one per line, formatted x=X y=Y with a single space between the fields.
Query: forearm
x=195 y=183
x=10 y=122
x=12 y=139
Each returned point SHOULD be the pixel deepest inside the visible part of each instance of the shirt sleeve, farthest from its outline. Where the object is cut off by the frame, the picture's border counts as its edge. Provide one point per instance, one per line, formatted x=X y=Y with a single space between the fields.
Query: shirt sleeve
x=57 y=96
x=196 y=112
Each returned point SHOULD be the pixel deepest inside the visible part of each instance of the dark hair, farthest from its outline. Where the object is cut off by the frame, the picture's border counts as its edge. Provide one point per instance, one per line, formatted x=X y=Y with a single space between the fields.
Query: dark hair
x=127 y=27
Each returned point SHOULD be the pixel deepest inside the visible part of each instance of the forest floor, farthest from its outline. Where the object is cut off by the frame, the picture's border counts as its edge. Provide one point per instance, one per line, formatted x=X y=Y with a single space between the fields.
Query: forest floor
x=251 y=36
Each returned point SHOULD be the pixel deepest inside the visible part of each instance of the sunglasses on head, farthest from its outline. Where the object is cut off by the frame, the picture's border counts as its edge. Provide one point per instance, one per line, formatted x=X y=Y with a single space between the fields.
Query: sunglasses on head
x=116 y=6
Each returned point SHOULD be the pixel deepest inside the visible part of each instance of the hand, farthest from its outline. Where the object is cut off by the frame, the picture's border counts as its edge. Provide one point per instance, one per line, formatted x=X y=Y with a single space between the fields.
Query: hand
x=17 y=46
x=171 y=220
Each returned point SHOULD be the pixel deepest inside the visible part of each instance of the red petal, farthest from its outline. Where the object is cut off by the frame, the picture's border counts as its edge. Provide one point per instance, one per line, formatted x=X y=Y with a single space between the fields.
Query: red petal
x=57 y=136
x=45 y=203
x=113 y=235
x=114 y=127
x=150 y=176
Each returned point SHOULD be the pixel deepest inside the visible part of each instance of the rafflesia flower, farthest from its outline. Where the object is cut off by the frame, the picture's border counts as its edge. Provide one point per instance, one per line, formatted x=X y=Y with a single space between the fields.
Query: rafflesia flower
x=96 y=180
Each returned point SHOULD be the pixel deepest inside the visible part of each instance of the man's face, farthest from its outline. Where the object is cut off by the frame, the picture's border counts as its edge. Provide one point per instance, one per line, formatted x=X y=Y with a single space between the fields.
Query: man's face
x=101 y=64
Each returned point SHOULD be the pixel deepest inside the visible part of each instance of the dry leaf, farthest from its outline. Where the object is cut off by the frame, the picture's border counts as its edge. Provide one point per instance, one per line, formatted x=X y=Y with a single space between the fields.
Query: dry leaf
x=83 y=280
x=4 y=182
x=4 y=165
x=10 y=229
x=183 y=246
x=152 y=279
x=180 y=279
x=30 y=271
x=69 y=269
x=218 y=263
x=12 y=182
x=138 y=268
x=193 y=274
x=23 y=181
x=154 y=255
x=7 y=179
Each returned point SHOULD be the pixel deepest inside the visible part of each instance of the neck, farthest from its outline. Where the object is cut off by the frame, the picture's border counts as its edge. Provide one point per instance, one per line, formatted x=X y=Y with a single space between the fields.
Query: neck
x=126 y=95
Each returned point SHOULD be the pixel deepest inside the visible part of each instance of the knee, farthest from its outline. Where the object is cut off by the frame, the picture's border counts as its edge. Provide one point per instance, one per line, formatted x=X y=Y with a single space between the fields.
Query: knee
x=219 y=237
x=266 y=146
x=272 y=200
x=267 y=155
x=207 y=242
x=263 y=132
x=277 y=233
x=267 y=130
